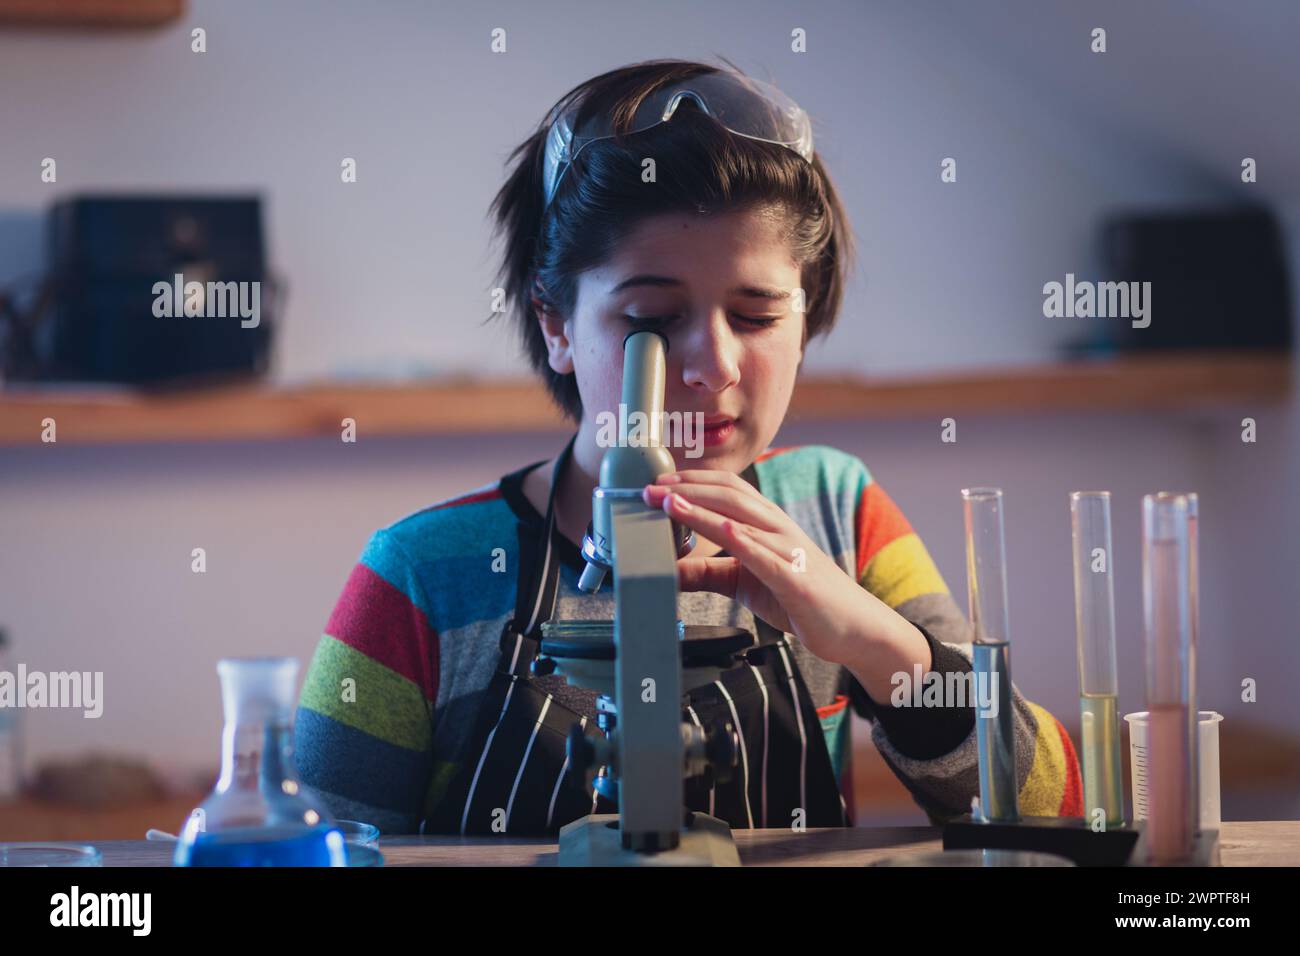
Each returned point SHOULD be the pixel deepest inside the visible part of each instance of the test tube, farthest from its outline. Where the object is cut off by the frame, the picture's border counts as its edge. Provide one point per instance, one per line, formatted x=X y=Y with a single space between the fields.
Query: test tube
x=1168 y=582
x=986 y=581
x=1193 y=592
x=1094 y=625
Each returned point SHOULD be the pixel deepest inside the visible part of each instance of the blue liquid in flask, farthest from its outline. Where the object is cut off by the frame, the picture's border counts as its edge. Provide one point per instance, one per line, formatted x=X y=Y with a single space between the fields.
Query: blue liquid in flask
x=259 y=813
x=267 y=846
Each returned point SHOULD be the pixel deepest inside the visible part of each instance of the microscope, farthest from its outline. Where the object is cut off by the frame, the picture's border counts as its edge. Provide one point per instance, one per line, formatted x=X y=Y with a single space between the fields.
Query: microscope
x=644 y=664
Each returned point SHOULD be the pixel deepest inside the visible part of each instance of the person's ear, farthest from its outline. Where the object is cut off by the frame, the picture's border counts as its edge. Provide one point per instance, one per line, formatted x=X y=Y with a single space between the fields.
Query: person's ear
x=555 y=330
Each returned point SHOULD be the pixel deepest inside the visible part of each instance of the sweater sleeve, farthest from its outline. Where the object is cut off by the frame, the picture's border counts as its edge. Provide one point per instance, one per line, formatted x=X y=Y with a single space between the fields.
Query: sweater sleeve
x=364 y=724
x=933 y=750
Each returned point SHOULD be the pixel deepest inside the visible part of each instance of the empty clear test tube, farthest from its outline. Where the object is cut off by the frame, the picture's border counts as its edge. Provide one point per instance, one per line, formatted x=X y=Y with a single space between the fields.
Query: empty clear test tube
x=1169 y=608
x=986 y=581
x=1094 y=625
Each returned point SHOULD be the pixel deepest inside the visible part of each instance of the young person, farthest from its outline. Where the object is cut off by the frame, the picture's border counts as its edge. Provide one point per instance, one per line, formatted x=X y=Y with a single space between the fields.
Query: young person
x=686 y=199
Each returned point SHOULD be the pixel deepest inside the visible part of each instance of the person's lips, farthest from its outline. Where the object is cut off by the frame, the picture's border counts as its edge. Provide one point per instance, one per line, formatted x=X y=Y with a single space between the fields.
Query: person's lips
x=719 y=430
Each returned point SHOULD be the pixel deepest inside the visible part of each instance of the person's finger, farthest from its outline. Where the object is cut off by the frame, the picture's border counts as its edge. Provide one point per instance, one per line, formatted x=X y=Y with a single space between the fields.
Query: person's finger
x=715 y=476
x=720 y=575
x=724 y=500
x=761 y=552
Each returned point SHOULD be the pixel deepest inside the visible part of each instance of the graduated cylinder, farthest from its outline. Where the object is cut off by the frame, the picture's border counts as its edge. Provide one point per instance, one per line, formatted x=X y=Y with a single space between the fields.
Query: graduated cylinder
x=986 y=581
x=1094 y=625
x=1169 y=613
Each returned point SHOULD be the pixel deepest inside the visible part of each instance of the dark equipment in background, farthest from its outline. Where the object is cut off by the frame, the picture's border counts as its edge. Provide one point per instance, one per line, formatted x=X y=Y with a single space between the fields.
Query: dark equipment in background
x=1218 y=280
x=91 y=317
x=1221 y=277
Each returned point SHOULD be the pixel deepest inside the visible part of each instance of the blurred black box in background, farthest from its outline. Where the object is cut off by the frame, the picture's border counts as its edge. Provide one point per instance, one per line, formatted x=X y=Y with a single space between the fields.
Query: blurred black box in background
x=1218 y=279
x=102 y=314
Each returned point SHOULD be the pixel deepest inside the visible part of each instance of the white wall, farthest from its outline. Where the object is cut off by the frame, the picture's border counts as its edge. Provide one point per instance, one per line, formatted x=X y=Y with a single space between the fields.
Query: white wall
x=379 y=271
x=393 y=273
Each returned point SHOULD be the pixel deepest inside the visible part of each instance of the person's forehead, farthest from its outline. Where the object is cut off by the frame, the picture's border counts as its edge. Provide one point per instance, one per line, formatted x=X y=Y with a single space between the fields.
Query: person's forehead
x=697 y=248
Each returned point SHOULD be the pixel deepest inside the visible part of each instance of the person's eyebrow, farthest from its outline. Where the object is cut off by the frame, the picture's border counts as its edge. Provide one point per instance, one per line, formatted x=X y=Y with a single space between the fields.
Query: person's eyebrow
x=760 y=292
x=748 y=291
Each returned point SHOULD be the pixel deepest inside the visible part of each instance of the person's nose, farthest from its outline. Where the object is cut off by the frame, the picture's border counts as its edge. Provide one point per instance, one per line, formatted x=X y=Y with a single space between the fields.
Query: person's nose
x=711 y=357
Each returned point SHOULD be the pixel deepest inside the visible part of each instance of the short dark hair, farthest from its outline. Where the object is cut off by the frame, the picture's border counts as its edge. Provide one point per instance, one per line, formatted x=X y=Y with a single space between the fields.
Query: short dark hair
x=700 y=167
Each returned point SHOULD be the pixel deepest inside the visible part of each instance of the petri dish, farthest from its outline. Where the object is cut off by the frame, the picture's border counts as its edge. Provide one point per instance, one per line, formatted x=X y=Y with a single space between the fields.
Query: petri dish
x=976 y=858
x=49 y=854
x=356 y=833
x=359 y=855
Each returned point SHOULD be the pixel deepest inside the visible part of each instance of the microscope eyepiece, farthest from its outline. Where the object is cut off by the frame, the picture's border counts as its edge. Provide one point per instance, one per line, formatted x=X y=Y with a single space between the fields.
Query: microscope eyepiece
x=644 y=331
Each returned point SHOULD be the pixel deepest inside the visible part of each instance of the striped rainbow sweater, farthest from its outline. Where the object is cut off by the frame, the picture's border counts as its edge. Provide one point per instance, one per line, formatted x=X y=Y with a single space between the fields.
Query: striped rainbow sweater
x=391 y=695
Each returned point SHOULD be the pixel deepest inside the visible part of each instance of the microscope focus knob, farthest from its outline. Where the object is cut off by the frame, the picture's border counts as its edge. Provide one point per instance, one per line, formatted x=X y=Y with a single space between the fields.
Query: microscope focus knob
x=582 y=755
x=722 y=748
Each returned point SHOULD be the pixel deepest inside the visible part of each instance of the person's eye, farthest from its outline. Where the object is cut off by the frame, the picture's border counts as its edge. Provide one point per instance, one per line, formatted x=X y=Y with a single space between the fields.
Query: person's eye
x=759 y=322
x=649 y=320
x=754 y=321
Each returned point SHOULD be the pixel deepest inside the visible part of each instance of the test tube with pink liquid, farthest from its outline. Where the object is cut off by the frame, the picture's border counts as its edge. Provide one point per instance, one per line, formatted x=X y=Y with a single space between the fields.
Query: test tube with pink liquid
x=1169 y=585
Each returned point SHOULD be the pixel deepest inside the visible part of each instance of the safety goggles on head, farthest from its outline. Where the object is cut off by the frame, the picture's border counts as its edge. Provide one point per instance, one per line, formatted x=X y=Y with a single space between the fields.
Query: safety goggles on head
x=745 y=106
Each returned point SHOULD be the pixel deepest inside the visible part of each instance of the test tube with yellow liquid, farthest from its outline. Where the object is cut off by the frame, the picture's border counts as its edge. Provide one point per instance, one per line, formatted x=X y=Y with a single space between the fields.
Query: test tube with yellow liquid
x=1094 y=624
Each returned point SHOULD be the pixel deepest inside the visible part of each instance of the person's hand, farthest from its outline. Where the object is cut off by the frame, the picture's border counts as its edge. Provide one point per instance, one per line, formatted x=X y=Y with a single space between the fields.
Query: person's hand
x=773 y=567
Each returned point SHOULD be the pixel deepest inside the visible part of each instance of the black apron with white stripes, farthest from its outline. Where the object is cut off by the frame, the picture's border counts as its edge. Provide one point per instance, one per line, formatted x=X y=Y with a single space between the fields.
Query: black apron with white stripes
x=514 y=775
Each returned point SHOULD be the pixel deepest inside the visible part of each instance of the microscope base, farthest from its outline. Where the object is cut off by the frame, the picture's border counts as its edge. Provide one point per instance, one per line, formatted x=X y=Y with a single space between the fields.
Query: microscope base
x=595 y=841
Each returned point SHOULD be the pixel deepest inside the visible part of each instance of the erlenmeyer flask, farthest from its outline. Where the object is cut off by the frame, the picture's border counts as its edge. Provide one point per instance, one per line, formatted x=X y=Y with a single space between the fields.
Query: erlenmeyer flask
x=259 y=814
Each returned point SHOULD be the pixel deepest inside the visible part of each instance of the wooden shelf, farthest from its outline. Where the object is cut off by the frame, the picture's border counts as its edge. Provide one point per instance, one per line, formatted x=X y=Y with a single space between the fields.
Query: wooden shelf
x=90 y=13
x=32 y=819
x=1134 y=384
x=1184 y=381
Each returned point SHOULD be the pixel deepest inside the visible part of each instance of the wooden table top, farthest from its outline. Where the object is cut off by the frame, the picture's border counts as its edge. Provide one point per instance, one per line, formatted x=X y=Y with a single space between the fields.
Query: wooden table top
x=1241 y=843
